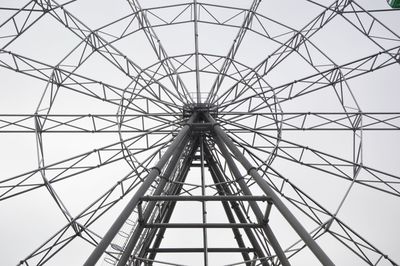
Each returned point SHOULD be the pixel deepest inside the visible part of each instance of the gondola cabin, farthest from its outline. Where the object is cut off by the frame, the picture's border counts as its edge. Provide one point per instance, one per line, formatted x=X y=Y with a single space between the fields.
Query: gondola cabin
x=394 y=3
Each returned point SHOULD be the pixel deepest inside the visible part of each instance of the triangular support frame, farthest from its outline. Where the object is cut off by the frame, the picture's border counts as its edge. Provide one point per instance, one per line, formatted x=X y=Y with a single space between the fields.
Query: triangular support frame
x=182 y=149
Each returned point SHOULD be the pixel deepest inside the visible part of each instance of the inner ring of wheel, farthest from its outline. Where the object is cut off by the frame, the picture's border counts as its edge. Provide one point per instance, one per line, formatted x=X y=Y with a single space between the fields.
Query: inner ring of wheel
x=270 y=105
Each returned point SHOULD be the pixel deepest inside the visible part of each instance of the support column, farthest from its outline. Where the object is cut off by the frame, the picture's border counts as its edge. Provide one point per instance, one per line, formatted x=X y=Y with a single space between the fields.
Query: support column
x=203 y=203
x=254 y=206
x=223 y=189
x=252 y=171
x=196 y=51
x=150 y=206
x=126 y=212
x=170 y=205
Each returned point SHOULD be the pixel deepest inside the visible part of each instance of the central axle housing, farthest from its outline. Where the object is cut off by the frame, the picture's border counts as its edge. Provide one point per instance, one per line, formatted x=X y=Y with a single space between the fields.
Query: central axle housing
x=190 y=108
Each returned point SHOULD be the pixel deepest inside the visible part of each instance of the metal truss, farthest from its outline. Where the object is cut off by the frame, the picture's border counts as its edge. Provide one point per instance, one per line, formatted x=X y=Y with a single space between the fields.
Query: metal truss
x=214 y=134
x=106 y=123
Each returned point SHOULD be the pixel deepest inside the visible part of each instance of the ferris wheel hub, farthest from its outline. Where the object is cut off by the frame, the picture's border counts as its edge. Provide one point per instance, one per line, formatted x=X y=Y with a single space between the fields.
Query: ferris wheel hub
x=189 y=109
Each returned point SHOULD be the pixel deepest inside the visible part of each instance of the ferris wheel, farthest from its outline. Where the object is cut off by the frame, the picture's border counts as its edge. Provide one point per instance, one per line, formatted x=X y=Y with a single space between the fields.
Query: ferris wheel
x=199 y=132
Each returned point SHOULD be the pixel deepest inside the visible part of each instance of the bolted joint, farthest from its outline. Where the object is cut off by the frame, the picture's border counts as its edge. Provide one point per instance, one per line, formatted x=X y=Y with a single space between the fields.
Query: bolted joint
x=215 y=124
x=157 y=169
x=251 y=168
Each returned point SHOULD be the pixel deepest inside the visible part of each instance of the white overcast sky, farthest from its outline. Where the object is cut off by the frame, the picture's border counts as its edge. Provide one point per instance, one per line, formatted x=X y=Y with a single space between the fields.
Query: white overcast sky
x=28 y=220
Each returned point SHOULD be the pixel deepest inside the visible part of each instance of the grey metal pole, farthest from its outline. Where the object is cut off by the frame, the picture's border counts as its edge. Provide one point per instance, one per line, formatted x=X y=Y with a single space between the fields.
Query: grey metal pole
x=196 y=51
x=150 y=207
x=170 y=206
x=203 y=204
x=126 y=212
x=254 y=206
x=296 y=225
x=224 y=190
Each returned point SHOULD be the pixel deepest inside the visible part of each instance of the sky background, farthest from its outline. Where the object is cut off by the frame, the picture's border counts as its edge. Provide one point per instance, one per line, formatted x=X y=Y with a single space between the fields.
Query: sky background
x=29 y=219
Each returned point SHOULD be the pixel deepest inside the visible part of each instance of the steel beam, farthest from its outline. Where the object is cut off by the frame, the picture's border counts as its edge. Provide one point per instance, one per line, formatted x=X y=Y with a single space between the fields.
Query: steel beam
x=197 y=250
x=254 y=206
x=127 y=211
x=196 y=51
x=203 y=203
x=170 y=206
x=252 y=171
x=223 y=189
x=150 y=207
x=205 y=198
x=202 y=225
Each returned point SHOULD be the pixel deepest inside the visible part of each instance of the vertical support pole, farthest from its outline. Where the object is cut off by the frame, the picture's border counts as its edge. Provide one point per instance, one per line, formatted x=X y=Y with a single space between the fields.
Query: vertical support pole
x=126 y=212
x=203 y=203
x=170 y=206
x=150 y=206
x=196 y=50
x=223 y=189
x=254 y=206
x=252 y=171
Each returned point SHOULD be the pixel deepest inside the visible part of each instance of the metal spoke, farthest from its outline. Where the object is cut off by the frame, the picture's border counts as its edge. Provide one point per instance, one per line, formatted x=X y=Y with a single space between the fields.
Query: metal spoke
x=295 y=42
x=95 y=210
x=73 y=166
x=77 y=83
x=250 y=13
x=23 y=19
x=306 y=121
x=328 y=163
x=91 y=123
x=196 y=49
x=317 y=81
x=316 y=212
x=158 y=48
x=108 y=51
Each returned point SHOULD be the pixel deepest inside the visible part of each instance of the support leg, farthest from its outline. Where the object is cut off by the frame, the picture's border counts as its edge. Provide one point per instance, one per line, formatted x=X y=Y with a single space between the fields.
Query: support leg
x=254 y=206
x=296 y=225
x=126 y=212
x=150 y=207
